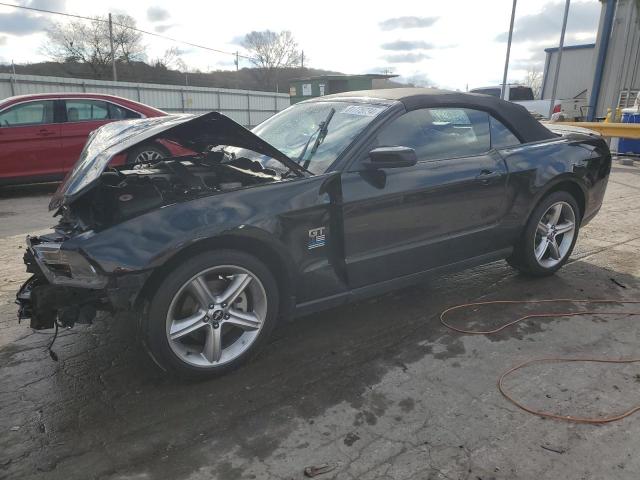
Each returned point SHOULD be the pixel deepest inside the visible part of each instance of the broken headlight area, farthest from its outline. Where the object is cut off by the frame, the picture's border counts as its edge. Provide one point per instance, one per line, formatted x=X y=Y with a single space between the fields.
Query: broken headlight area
x=66 y=288
x=46 y=256
x=45 y=304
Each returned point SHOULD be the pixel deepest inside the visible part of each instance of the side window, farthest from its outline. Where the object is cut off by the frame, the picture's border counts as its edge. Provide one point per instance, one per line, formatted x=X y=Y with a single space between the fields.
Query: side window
x=501 y=136
x=86 y=110
x=116 y=112
x=30 y=113
x=436 y=133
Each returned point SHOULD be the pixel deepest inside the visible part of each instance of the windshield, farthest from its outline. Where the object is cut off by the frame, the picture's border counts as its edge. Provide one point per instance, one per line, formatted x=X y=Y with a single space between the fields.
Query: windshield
x=311 y=135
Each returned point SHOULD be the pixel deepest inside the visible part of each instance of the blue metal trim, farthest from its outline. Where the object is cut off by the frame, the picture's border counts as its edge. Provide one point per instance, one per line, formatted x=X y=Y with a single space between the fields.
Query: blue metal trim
x=571 y=47
x=600 y=61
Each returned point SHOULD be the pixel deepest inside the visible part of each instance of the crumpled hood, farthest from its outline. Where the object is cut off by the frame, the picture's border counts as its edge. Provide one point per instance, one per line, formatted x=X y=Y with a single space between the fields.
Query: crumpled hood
x=195 y=132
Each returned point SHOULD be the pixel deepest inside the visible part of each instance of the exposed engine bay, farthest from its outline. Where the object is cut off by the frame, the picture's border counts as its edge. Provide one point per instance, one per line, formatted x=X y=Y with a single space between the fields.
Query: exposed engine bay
x=211 y=155
x=130 y=190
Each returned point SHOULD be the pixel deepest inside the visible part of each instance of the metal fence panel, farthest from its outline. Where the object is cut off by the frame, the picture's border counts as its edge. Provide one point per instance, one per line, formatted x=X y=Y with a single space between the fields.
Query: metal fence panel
x=246 y=107
x=259 y=117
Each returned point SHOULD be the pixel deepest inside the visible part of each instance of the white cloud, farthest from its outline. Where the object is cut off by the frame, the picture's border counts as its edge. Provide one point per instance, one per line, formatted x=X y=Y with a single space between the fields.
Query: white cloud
x=406 y=45
x=351 y=42
x=157 y=14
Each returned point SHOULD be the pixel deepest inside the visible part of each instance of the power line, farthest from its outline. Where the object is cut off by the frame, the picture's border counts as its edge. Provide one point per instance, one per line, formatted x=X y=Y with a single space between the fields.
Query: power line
x=153 y=34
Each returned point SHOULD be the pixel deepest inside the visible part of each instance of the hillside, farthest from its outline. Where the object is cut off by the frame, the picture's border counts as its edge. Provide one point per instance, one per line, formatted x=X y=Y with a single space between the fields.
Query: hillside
x=246 y=78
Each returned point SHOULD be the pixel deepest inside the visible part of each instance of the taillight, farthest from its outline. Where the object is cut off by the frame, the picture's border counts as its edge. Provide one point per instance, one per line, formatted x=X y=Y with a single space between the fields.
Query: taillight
x=557 y=108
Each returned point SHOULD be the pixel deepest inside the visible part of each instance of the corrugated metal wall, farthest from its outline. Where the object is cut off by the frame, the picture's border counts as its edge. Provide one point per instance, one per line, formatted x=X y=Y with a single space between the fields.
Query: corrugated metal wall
x=246 y=107
x=622 y=66
x=576 y=72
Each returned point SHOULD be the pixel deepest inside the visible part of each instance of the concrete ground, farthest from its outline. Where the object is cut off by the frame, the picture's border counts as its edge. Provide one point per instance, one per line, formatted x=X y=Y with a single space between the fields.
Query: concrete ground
x=377 y=389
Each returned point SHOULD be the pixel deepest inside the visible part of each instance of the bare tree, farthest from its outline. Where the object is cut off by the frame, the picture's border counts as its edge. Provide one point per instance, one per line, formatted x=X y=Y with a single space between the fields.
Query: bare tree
x=533 y=79
x=88 y=42
x=127 y=42
x=171 y=59
x=271 y=51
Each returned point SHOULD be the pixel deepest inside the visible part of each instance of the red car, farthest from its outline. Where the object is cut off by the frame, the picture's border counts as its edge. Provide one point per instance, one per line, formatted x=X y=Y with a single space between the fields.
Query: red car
x=42 y=135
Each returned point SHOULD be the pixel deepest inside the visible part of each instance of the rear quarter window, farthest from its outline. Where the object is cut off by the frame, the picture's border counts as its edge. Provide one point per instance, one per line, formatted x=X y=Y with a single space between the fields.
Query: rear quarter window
x=501 y=136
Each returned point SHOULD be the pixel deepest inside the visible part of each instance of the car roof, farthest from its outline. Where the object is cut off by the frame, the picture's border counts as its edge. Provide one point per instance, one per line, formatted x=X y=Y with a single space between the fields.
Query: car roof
x=514 y=116
x=53 y=95
x=399 y=94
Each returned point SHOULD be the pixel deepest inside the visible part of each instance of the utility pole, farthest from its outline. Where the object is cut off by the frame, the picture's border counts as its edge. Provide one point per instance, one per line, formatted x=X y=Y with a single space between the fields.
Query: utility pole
x=302 y=60
x=560 y=47
x=113 y=54
x=506 y=61
x=237 y=61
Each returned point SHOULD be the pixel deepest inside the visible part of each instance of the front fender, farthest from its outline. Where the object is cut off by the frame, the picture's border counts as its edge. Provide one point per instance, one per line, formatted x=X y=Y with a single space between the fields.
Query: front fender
x=148 y=241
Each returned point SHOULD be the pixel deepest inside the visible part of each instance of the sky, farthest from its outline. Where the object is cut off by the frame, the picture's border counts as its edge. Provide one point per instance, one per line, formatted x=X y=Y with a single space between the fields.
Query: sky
x=445 y=43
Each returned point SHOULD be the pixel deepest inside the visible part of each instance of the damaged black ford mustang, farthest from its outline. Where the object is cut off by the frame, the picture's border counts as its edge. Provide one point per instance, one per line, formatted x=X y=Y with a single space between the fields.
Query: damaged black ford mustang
x=332 y=200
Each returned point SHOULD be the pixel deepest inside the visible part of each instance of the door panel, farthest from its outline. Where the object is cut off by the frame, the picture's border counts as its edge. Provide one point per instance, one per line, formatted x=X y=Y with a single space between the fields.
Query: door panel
x=29 y=141
x=407 y=220
x=443 y=210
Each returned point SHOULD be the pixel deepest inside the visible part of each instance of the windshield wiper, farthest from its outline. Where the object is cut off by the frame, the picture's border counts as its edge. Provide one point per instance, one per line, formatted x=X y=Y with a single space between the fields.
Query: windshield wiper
x=322 y=130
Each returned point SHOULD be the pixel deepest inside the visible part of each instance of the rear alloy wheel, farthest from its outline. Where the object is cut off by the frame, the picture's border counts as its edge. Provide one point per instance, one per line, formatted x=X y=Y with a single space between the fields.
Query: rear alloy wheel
x=144 y=154
x=211 y=314
x=554 y=235
x=549 y=236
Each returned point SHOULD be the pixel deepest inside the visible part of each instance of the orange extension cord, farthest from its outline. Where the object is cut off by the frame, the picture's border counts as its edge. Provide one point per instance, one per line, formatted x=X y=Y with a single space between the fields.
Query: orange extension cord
x=568 y=418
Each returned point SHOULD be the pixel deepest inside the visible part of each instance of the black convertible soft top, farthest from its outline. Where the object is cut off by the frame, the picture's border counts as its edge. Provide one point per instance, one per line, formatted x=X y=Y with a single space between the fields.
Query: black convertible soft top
x=515 y=116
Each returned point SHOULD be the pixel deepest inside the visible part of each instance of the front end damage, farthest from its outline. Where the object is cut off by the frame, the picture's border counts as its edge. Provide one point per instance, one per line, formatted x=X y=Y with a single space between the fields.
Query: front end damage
x=65 y=288
x=67 y=285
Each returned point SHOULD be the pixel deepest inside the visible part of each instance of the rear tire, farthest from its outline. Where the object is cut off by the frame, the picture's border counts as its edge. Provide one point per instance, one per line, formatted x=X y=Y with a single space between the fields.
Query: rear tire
x=211 y=314
x=549 y=236
x=150 y=152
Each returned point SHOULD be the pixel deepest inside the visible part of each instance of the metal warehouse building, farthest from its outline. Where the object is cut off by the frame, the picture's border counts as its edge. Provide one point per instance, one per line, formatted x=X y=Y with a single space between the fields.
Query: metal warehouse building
x=576 y=71
x=606 y=73
x=616 y=76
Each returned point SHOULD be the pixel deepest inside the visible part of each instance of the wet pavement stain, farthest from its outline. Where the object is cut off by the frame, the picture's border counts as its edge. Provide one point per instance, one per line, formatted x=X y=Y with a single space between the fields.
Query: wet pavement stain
x=350 y=439
x=407 y=404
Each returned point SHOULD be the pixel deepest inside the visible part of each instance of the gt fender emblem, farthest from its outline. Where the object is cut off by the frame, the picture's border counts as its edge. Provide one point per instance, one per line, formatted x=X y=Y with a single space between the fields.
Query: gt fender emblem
x=317 y=238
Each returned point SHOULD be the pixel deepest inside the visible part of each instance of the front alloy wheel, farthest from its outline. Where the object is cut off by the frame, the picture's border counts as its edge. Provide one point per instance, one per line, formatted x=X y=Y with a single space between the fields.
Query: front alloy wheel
x=216 y=316
x=211 y=313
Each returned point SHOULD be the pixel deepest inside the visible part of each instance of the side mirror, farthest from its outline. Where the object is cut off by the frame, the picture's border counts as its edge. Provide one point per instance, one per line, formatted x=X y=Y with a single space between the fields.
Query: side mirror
x=391 y=157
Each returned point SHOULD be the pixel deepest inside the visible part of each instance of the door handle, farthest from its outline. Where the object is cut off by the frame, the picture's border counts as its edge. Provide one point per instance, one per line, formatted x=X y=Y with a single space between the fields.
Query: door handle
x=45 y=133
x=486 y=176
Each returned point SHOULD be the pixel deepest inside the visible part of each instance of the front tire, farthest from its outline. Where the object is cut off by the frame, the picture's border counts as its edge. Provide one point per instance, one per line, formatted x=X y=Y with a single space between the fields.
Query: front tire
x=211 y=314
x=549 y=236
